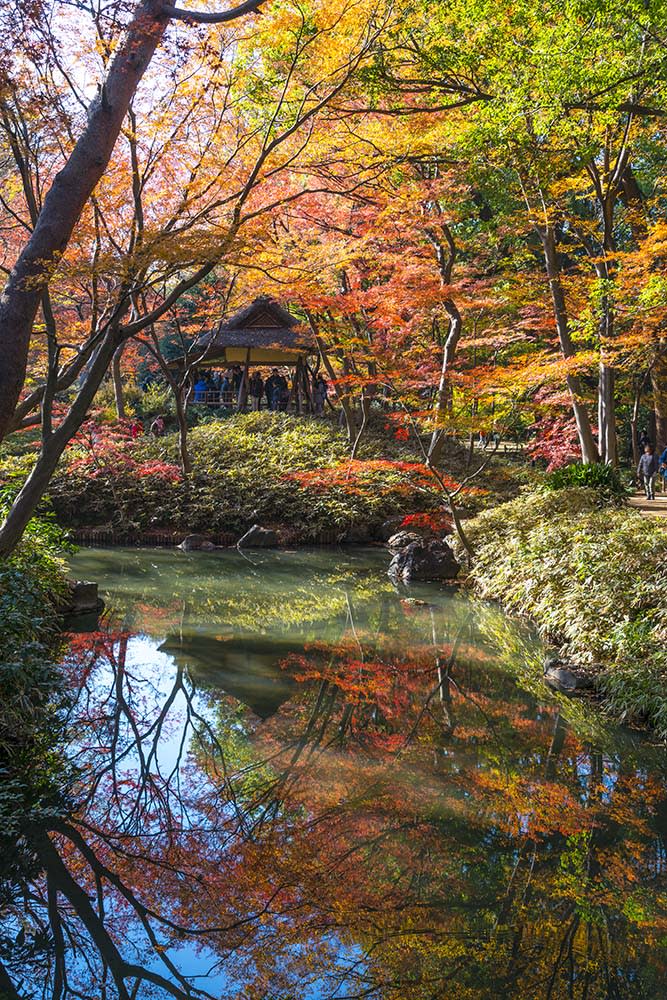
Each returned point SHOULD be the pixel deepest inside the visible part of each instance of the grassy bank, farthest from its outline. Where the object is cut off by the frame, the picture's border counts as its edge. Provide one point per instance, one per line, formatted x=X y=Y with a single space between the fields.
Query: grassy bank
x=34 y=775
x=593 y=577
x=269 y=468
x=294 y=475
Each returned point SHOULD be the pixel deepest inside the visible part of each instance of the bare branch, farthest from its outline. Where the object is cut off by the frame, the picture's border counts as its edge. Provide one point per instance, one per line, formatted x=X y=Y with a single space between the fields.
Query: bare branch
x=220 y=17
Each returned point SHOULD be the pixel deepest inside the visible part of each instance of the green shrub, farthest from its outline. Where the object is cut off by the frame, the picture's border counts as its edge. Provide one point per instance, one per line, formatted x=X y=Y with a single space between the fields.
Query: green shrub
x=593 y=581
x=157 y=398
x=246 y=469
x=105 y=399
x=604 y=479
x=35 y=777
x=32 y=585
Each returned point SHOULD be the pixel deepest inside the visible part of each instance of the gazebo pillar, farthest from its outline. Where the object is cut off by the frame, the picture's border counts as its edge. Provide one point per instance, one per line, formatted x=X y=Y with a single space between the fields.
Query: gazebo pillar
x=243 y=388
x=297 y=385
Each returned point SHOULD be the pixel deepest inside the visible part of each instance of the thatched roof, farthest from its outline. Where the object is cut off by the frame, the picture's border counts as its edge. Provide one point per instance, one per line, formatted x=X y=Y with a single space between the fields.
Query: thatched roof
x=265 y=328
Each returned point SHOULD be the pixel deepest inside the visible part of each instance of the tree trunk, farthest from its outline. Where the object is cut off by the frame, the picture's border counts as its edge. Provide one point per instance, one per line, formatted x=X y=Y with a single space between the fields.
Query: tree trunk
x=341 y=395
x=634 y=421
x=659 y=385
x=607 y=439
x=444 y=394
x=118 y=391
x=608 y=444
x=37 y=482
x=589 y=452
x=364 y=409
x=66 y=199
x=242 y=399
x=182 y=417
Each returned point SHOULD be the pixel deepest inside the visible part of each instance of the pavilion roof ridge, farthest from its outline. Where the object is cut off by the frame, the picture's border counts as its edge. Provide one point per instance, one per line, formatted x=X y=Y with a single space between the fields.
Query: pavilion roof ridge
x=264 y=312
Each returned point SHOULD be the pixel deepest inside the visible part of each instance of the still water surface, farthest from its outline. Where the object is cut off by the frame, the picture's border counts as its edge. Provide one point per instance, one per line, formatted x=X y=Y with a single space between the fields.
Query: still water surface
x=296 y=781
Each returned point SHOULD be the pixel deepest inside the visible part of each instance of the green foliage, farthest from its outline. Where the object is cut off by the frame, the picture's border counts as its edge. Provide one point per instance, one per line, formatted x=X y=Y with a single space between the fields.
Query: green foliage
x=157 y=399
x=604 y=479
x=243 y=472
x=133 y=398
x=592 y=580
x=33 y=775
x=32 y=583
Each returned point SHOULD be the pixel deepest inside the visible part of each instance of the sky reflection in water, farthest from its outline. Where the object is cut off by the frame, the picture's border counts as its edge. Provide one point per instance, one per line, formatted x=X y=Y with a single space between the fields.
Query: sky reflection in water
x=296 y=781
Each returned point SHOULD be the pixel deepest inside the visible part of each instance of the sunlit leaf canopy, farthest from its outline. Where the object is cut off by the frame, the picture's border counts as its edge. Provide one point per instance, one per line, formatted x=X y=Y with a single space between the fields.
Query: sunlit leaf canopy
x=325 y=786
x=338 y=157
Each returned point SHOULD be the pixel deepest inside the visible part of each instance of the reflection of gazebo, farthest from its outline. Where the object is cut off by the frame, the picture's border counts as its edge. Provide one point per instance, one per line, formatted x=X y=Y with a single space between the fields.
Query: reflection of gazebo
x=245 y=666
x=262 y=333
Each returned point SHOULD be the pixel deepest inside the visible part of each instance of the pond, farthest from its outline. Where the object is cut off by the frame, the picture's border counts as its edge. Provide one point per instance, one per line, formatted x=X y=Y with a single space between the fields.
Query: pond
x=289 y=779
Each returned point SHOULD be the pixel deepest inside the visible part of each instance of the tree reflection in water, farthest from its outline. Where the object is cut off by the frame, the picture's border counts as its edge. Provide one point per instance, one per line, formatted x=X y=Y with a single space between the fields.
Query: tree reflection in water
x=407 y=824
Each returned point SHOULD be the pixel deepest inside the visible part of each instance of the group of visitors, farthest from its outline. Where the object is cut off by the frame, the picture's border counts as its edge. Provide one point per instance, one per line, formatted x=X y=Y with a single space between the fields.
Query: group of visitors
x=650 y=465
x=226 y=390
x=487 y=438
x=219 y=388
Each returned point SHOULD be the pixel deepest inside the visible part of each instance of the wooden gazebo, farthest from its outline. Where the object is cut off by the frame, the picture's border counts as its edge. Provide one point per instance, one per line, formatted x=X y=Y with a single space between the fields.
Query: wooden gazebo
x=261 y=334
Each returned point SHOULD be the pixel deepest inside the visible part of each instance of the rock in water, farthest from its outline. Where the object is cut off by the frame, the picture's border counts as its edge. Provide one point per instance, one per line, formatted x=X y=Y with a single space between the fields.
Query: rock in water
x=426 y=559
x=401 y=539
x=83 y=597
x=560 y=677
x=196 y=543
x=258 y=538
x=82 y=607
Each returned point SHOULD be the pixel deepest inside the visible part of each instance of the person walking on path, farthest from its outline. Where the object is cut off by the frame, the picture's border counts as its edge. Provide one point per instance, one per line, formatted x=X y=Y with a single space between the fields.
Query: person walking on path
x=646 y=470
x=662 y=468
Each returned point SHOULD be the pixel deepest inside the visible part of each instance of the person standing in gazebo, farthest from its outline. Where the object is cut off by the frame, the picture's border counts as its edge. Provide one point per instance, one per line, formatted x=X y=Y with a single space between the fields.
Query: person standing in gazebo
x=320 y=392
x=255 y=390
x=275 y=384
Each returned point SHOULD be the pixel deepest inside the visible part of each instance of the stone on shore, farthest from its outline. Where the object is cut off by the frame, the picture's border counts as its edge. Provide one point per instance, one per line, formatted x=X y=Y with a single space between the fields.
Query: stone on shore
x=83 y=597
x=401 y=539
x=196 y=543
x=559 y=676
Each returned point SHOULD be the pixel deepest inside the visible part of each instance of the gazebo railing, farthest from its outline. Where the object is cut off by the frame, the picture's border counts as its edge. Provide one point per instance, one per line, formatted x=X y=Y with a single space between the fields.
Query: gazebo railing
x=214 y=397
x=230 y=400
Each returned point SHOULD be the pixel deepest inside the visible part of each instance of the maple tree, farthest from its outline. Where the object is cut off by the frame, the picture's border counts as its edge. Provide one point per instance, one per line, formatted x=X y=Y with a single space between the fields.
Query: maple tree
x=523 y=232
x=187 y=215
x=450 y=263
x=54 y=221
